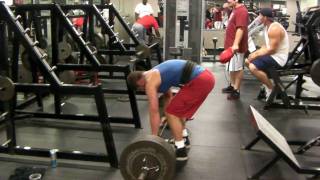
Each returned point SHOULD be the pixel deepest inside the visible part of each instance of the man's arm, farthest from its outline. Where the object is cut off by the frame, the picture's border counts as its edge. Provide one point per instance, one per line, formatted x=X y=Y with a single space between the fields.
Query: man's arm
x=152 y=85
x=157 y=32
x=167 y=99
x=156 y=27
x=237 y=40
x=275 y=36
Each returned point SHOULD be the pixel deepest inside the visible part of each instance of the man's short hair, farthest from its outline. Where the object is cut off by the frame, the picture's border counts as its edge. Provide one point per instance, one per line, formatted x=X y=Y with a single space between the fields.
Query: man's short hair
x=132 y=79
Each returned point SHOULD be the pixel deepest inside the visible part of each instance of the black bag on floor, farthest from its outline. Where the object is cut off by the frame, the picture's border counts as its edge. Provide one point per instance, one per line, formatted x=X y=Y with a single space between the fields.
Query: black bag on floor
x=23 y=173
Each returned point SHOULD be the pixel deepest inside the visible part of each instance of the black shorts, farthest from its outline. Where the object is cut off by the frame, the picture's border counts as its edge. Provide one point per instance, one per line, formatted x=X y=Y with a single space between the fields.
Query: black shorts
x=266 y=64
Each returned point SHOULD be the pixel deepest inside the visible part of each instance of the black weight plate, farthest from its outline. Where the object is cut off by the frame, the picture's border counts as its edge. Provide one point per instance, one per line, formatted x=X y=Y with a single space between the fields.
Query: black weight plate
x=7 y=89
x=99 y=40
x=315 y=72
x=68 y=77
x=25 y=58
x=152 y=152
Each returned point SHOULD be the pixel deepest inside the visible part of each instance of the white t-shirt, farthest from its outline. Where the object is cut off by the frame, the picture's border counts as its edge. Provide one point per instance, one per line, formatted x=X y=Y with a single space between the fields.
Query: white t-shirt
x=143 y=10
x=282 y=53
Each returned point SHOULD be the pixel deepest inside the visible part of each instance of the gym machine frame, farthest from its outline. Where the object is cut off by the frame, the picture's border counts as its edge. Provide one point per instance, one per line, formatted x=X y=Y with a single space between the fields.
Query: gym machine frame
x=59 y=17
x=54 y=86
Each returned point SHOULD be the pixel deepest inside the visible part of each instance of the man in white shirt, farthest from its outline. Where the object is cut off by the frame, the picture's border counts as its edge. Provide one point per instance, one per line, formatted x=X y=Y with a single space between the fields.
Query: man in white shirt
x=143 y=9
x=272 y=56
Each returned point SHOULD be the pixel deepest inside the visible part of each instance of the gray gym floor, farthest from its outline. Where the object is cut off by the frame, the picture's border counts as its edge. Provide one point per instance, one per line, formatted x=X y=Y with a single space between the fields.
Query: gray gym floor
x=220 y=129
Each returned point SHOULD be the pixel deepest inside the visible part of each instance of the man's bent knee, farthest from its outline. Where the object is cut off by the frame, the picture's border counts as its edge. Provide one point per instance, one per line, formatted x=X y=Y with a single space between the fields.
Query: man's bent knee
x=252 y=68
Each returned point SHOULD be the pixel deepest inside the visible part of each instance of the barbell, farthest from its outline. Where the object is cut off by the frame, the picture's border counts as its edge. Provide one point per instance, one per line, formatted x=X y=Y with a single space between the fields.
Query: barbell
x=148 y=158
x=6 y=89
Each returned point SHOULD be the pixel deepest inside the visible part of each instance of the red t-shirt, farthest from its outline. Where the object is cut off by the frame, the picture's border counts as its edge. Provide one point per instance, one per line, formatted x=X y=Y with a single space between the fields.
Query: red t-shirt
x=218 y=15
x=148 y=22
x=239 y=18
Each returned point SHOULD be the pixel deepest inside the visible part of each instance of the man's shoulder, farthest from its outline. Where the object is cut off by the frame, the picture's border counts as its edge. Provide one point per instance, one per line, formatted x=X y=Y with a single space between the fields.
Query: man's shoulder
x=275 y=29
x=275 y=26
x=242 y=9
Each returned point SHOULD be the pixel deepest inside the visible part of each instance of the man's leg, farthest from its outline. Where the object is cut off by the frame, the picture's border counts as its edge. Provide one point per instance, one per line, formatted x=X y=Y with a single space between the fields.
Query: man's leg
x=260 y=75
x=176 y=126
x=232 y=78
x=238 y=76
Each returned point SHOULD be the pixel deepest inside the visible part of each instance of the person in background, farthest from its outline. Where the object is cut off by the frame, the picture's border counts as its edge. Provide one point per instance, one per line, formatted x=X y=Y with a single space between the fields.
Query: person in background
x=226 y=14
x=272 y=56
x=237 y=38
x=143 y=9
x=208 y=22
x=217 y=17
x=142 y=25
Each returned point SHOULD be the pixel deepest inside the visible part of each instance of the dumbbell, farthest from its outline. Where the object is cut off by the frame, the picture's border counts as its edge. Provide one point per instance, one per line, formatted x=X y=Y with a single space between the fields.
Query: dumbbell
x=6 y=89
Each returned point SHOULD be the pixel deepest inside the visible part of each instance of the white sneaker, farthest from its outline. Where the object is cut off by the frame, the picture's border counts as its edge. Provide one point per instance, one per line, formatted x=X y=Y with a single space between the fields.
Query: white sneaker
x=268 y=93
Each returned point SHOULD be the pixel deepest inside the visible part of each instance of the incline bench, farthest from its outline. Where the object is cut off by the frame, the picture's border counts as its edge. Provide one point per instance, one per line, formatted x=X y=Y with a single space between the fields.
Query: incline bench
x=275 y=140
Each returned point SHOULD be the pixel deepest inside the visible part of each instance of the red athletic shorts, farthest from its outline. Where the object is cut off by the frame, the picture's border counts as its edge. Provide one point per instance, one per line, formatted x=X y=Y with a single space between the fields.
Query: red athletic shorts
x=187 y=101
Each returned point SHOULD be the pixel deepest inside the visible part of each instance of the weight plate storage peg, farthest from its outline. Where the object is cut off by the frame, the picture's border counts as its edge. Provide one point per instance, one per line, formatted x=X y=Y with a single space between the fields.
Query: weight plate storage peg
x=25 y=58
x=6 y=89
x=148 y=158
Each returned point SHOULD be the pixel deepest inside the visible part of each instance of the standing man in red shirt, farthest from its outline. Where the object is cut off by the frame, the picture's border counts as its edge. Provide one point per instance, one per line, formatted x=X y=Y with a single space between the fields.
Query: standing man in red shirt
x=237 y=38
x=143 y=24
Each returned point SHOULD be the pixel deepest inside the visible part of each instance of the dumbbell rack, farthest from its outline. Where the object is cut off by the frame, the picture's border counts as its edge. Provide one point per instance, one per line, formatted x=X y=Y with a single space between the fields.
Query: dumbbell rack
x=54 y=85
x=58 y=18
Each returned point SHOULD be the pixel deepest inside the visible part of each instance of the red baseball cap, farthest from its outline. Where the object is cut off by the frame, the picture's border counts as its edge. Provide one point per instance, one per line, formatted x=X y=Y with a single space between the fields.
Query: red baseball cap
x=226 y=55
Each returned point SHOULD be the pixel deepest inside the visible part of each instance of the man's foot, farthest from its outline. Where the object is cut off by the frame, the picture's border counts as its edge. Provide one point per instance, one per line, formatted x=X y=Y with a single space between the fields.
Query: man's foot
x=235 y=95
x=228 y=89
x=181 y=154
x=268 y=93
x=262 y=93
x=186 y=142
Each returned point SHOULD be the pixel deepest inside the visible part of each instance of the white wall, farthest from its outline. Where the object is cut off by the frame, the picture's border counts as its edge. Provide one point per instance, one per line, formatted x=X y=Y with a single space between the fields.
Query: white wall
x=292 y=10
x=308 y=3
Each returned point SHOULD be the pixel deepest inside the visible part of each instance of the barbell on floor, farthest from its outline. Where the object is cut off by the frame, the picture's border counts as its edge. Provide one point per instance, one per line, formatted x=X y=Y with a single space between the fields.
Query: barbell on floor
x=6 y=89
x=148 y=158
